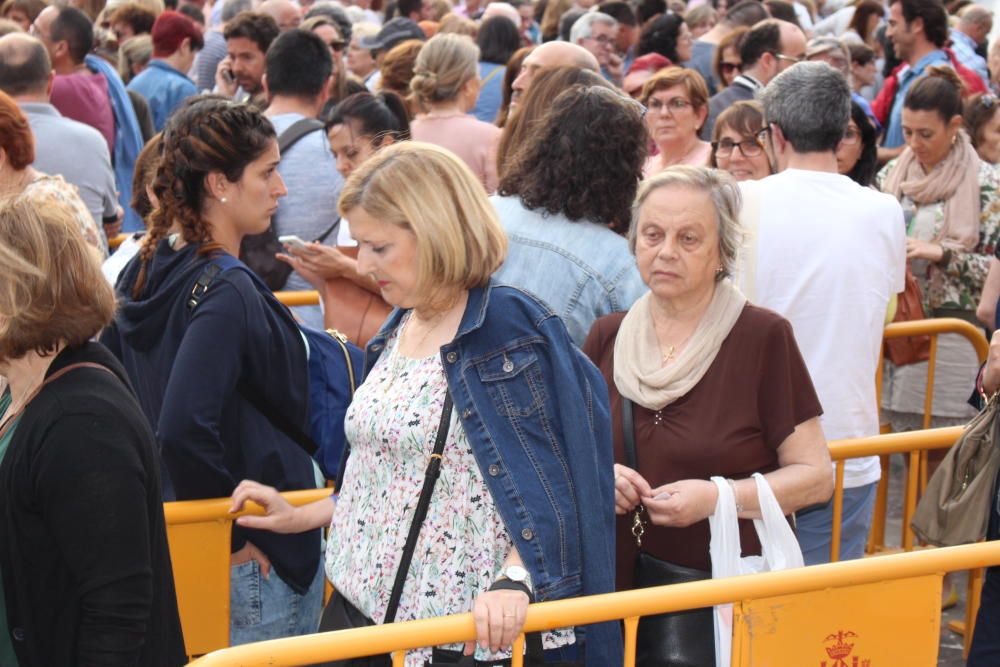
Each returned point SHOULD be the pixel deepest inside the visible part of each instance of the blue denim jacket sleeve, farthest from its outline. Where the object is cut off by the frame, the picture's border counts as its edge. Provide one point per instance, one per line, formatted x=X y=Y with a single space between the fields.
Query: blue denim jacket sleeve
x=536 y=414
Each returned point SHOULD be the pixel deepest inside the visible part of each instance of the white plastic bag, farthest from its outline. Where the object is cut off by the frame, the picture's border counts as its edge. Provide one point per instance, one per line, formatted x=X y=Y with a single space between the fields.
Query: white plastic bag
x=779 y=547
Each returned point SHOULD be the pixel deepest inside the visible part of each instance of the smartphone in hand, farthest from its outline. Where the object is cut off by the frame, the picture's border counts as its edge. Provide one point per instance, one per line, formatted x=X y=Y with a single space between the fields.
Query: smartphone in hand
x=293 y=241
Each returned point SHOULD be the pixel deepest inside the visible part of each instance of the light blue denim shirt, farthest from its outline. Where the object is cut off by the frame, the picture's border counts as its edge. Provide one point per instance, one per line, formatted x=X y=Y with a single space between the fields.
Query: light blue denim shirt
x=906 y=77
x=164 y=88
x=582 y=270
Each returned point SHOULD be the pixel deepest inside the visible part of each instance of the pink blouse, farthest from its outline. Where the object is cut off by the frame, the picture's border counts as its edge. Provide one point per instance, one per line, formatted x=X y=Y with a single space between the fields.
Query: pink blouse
x=470 y=139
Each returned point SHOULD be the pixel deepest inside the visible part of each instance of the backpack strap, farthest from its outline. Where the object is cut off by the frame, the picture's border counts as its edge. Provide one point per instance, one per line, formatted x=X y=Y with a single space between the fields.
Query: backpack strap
x=296 y=131
x=217 y=266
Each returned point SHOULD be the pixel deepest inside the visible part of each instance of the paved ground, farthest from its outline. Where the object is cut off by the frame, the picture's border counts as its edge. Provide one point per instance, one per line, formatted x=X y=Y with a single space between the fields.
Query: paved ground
x=950 y=654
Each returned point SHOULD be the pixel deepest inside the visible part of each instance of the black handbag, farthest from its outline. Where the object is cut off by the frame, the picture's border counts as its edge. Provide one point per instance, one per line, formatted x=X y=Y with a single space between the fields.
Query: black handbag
x=340 y=614
x=679 y=639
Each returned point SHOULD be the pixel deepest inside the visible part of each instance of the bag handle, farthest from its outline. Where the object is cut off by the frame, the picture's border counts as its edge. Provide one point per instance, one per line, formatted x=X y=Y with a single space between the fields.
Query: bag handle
x=430 y=479
x=778 y=543
x=49 y=380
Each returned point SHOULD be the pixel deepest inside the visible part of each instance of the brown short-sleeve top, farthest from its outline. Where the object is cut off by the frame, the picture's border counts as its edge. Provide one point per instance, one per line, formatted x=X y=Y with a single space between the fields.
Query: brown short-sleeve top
x=751 y=398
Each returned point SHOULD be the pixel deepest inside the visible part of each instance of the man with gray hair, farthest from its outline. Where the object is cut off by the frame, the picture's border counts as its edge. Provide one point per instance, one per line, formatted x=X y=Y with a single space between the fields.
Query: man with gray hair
x=75 y=151
x=214 y=50
x=974 y=25
x=596 y=32
x=828 y=255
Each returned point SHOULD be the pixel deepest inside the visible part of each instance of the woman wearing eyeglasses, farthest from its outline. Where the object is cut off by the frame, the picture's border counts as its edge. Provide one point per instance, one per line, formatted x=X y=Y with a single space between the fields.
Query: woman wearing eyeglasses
x=328 y=30
x=676 y=100
x=857 y=153
x=735 y=147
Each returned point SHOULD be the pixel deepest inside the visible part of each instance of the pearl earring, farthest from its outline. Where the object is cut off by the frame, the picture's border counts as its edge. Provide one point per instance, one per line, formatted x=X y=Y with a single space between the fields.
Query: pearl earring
x=222 y=199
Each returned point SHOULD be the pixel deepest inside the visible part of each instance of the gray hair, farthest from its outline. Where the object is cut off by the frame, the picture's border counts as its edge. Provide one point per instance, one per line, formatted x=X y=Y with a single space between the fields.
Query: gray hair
x=584 y=26
x=230 y=8
x=811 y=103
x=726 y=199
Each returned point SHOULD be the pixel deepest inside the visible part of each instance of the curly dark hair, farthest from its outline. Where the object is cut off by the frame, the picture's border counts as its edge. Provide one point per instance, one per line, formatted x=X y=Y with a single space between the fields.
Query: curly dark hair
x=209 y=135
x=583 y=159
x=660 y=35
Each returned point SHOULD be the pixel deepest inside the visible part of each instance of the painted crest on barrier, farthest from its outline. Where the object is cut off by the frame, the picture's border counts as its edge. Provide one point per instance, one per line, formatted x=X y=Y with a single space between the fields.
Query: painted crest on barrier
x=839 y=647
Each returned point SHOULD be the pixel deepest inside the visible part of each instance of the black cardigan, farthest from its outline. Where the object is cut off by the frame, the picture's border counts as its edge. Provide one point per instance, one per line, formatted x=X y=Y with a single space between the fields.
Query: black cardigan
x=83 y=547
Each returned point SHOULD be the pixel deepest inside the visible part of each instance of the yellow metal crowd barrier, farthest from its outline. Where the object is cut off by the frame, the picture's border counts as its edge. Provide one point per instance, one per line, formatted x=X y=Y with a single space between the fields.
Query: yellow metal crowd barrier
x=199 y=533
x=823 y=634
x=291 y=299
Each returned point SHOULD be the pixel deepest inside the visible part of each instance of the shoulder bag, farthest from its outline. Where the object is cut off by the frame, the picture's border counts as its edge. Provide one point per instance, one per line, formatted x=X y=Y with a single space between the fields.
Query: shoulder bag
x=679 y=639
x=910 y=306
x=955 y=508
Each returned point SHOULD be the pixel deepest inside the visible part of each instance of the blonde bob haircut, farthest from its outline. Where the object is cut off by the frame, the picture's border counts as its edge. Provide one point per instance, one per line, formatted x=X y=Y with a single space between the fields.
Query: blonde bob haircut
x=445 y=63
x=52 y=290
x=721 y=190
x=433 y=194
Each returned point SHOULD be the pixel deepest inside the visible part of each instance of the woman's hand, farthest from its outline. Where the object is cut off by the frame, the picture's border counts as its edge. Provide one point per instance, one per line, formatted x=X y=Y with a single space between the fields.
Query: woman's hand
x=248 y=553
x=991 y=374
x=630 y=489
x=280 y=515
x=681 y=503
x=917 y=249
x=325 y=261
x=499 y=617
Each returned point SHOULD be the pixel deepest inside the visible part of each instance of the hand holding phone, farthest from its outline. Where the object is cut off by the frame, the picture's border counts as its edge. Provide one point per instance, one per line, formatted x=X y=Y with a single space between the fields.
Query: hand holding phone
x=293 y=241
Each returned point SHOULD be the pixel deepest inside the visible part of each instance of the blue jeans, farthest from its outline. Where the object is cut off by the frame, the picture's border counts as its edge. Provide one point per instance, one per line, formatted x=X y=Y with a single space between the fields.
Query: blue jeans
x=814 y=527
x=985 y=649
x=269 y=608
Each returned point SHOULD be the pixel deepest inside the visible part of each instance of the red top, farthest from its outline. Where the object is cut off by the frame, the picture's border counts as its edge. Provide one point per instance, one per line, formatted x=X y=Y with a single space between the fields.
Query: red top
x=83 y=96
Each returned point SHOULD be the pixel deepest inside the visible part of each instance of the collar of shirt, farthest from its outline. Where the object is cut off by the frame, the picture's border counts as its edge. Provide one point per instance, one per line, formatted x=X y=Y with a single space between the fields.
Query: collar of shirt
x=41 y=108
x=748 y=81
x=959 y=36
x=911 y=72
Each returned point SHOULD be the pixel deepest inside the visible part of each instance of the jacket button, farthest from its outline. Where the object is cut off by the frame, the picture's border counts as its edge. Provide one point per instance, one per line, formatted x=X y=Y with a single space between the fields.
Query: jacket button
x=466 y=413
x=451 y=357
x=18 y=634
x=527 y=534
x=494 y=470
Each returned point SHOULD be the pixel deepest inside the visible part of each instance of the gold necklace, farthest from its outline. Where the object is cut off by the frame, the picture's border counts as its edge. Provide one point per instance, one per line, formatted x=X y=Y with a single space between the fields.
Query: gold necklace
x=669 y=356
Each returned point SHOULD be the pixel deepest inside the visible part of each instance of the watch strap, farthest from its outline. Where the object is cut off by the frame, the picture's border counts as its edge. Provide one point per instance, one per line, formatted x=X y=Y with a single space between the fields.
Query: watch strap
x=510 y=585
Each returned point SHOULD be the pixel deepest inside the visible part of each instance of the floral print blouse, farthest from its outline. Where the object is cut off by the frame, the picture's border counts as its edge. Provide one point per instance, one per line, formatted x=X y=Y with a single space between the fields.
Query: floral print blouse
x=391 y=425
x=46 y=189
x=959 y=284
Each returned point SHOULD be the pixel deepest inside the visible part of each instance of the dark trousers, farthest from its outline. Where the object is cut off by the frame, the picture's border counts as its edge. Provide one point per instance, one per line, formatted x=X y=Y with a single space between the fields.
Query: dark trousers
x=985 y=649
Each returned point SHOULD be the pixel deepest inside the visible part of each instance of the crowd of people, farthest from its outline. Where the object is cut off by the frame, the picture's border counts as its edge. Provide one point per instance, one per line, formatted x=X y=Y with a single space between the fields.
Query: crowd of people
x=595 y=255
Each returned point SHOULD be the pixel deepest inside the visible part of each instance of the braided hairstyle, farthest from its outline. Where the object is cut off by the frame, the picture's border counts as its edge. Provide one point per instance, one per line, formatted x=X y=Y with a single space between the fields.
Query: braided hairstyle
x=209 y=135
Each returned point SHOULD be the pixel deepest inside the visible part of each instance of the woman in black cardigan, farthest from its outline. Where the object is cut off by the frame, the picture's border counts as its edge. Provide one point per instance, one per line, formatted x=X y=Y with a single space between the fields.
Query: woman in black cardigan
x=83 y=550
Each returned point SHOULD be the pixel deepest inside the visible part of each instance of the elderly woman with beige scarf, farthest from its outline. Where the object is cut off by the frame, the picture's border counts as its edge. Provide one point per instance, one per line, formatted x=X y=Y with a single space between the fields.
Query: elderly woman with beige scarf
x=952 y=215
x=703 y=384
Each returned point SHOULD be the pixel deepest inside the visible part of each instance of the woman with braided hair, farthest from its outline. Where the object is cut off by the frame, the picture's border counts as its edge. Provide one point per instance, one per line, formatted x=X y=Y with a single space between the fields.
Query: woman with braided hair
x=197 y=341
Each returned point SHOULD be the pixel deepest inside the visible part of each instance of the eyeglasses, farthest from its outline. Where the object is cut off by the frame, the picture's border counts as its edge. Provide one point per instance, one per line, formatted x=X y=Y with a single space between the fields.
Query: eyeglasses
x=672 y=106
x=748 y=147
x=791 y=59
x=602 y=39
x=851 y=137
x=729 y=68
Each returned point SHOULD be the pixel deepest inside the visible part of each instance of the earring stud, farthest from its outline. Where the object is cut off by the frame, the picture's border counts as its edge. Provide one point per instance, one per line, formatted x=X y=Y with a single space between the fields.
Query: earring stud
x=222 y=199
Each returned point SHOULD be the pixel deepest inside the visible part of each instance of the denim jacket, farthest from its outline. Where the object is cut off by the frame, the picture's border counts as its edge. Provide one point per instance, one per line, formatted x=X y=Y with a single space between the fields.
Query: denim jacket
x=536 y=414
x=581 y=269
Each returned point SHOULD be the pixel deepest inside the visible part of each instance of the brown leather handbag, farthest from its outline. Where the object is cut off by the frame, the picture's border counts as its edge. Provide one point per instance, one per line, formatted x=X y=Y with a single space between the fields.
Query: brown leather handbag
x=910 y=306
x=352 y=310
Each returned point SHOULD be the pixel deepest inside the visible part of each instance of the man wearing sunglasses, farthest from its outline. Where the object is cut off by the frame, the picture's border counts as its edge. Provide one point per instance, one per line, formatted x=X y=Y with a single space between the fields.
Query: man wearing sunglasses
x=771 y=47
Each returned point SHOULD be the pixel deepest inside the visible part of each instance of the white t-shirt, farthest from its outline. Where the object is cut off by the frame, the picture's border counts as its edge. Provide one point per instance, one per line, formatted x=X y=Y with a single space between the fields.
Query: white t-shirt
x=830 y=255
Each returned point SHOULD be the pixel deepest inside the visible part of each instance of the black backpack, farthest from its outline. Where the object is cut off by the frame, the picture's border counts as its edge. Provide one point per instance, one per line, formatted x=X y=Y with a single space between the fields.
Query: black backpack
x=258 y=251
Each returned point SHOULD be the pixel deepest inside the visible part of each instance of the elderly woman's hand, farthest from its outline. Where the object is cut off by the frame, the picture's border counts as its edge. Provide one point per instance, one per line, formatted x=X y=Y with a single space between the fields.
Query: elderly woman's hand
x=681 y=503
x=630 y=488
x=499 y=617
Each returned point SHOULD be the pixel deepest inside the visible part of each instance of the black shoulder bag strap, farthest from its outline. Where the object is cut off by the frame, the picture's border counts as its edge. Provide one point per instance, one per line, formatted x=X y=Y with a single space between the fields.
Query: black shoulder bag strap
x=296 y=131
x=632 y=461
x=430 y=479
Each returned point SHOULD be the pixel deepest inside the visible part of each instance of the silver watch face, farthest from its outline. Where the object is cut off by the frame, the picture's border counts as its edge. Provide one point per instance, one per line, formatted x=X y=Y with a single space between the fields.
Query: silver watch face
x=516 y=573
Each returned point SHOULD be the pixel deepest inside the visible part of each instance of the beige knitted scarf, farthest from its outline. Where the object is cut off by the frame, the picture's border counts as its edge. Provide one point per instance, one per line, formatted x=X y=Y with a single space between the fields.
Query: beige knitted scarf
x=640 y=374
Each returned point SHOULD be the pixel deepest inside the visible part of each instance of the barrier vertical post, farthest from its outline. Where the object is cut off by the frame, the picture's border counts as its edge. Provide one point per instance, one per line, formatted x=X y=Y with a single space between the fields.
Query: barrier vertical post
x=838 y=511
x=631 y=636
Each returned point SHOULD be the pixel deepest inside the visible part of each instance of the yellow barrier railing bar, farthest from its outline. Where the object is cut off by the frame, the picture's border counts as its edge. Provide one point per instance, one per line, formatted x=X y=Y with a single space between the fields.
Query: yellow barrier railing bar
x=304 y=298
x=344 y=644
x=216 y=509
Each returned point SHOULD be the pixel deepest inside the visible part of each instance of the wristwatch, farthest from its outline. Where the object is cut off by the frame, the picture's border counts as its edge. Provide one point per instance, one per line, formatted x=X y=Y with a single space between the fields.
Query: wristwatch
x=515 y=577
